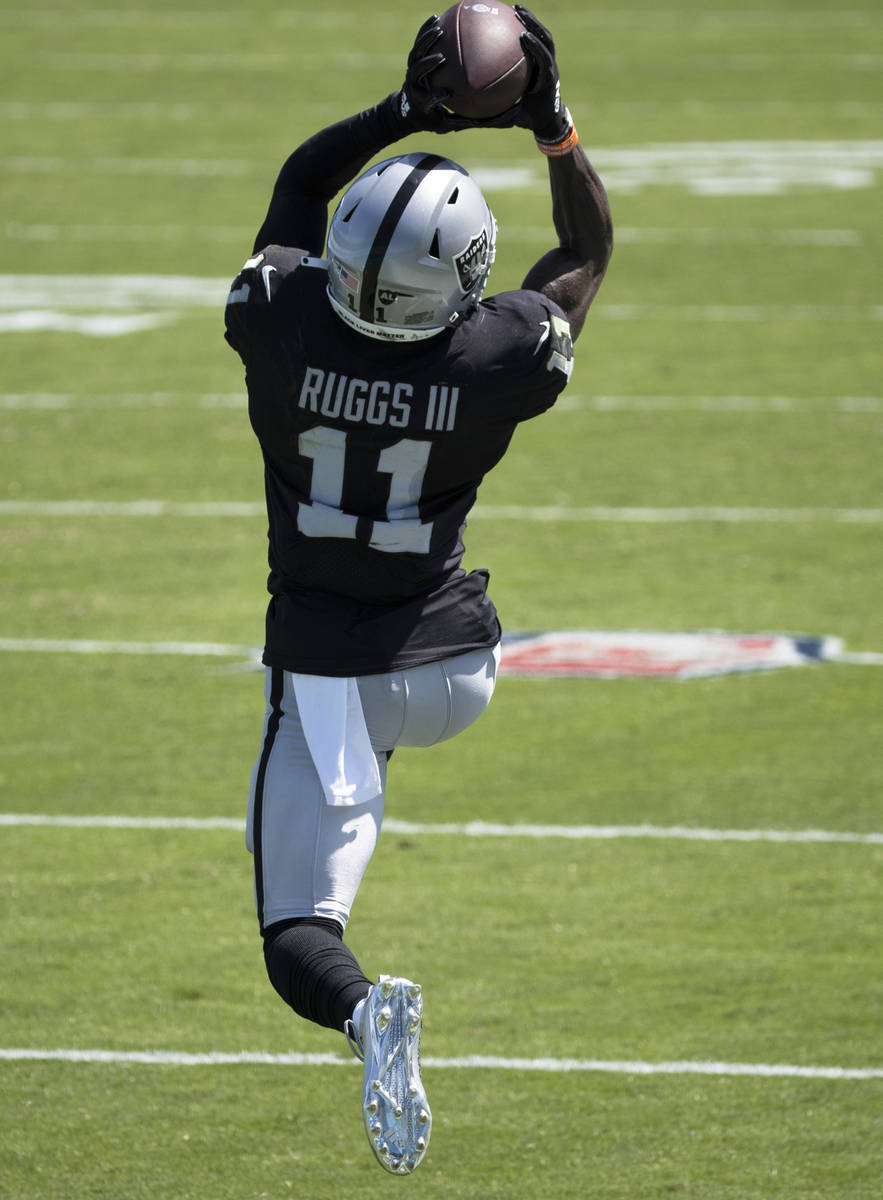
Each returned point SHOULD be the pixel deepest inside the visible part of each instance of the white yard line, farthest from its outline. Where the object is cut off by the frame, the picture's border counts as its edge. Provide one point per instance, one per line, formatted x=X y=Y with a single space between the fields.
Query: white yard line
x=93 y=646
x=718 y=404
x=740 y=313
x=91 y=293
x=724 y=168
x=484 y=1062
x=645 y=515
x=657 y=236
x=469 y=829
x=666 y=235
x=268 y=61
x=626 y=18
x=19 y=820
x=498 y=512
x=725 y=61
x=612 y=832
x=245 y=110
x=131 y=508
x=56 y=164
x=846 y=152
x=85 y=400
x=55 y=18
x=37 y=401
x=22 y=296
x=101 y=325
x=148 y=235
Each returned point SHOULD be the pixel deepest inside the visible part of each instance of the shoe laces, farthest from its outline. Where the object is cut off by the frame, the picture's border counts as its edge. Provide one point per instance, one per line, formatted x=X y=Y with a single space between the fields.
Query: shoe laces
x=352 y=1036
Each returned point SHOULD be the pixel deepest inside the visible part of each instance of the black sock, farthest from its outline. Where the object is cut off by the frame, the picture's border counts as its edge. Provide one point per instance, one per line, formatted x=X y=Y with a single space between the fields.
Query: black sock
x=313 y=971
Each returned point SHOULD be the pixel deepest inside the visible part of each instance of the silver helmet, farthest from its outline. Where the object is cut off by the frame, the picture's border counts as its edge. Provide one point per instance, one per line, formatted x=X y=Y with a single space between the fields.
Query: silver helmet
x=410 y=248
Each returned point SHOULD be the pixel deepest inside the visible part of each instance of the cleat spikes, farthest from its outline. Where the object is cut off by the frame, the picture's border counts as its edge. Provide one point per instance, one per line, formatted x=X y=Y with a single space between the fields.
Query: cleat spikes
x=394 y=1107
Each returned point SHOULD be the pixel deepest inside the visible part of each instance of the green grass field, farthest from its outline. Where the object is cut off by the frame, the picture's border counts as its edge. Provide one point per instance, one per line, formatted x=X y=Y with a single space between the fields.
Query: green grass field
x=731 y=362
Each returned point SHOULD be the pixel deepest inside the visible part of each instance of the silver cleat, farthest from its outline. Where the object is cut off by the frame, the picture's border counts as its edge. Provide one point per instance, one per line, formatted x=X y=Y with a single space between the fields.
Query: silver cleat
x=394 y=1106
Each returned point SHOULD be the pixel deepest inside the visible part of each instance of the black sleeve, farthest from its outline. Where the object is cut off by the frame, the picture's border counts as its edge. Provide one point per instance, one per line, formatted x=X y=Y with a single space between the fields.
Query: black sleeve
x=319 y=168
x=524 y=349
x=254 y=289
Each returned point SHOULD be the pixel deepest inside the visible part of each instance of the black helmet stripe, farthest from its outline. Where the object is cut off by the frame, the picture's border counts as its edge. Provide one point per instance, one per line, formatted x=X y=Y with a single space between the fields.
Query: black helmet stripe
x=387 y=227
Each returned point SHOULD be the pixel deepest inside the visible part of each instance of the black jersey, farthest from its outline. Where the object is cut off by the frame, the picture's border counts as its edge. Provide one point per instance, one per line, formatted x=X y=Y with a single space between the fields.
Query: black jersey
x=373 y=454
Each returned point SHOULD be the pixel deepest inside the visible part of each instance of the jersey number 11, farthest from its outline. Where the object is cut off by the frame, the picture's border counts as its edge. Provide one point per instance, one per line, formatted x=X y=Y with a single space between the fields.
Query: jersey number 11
x=405 y=462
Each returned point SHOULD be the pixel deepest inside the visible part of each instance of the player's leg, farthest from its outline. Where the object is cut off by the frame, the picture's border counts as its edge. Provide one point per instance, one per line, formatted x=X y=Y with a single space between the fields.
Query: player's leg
x=417 y=707
x=431 y=703
x=309 y=860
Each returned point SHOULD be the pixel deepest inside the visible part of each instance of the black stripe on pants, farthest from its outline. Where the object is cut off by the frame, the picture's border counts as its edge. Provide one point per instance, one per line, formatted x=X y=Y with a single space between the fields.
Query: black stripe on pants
x=277 y=683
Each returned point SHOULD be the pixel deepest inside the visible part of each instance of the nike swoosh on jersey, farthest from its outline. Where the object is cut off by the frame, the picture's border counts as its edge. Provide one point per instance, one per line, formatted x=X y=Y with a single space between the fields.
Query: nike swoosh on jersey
x=265 y=275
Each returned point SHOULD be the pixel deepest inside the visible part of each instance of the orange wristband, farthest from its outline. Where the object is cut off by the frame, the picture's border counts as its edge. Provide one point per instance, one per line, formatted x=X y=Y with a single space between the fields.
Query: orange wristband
x=559 y=149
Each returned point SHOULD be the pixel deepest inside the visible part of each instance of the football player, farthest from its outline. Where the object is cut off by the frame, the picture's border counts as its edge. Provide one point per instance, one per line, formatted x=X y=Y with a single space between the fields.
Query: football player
x=382 y=387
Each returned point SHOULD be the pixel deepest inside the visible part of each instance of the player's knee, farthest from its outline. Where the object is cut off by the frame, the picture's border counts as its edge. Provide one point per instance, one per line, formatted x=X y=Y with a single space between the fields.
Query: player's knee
x=313 y=971
x=313 y=930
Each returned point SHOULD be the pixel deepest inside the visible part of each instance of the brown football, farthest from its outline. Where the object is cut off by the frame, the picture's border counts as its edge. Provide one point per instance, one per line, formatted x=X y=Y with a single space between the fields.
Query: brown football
x=485 y=69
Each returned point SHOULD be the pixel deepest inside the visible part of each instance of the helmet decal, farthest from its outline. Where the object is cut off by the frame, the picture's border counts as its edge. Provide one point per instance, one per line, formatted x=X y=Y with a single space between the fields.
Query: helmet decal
x=471 y=263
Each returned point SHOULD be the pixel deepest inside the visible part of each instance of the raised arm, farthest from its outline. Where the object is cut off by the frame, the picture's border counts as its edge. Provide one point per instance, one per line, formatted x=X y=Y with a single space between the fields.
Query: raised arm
x=571 y=273
x=317 y=170
x=323 y=165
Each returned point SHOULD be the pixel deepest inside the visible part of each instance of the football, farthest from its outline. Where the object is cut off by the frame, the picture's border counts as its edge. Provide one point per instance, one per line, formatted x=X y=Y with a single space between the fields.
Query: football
x=485 y=69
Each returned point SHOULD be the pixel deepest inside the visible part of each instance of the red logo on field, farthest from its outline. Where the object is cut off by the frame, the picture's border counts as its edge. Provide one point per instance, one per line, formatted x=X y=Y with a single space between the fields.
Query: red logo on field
x=608 y=654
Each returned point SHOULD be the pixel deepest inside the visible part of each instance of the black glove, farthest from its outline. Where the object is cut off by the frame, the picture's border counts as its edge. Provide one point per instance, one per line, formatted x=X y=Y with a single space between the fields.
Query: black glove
x=422 y=106
x=540 y=109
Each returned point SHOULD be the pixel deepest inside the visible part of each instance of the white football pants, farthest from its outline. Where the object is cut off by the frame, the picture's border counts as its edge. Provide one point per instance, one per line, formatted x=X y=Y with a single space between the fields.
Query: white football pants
x=310 y=856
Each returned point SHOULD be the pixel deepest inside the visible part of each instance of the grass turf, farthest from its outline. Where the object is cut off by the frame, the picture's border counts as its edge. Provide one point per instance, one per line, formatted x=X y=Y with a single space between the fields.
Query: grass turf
x=145 y=140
